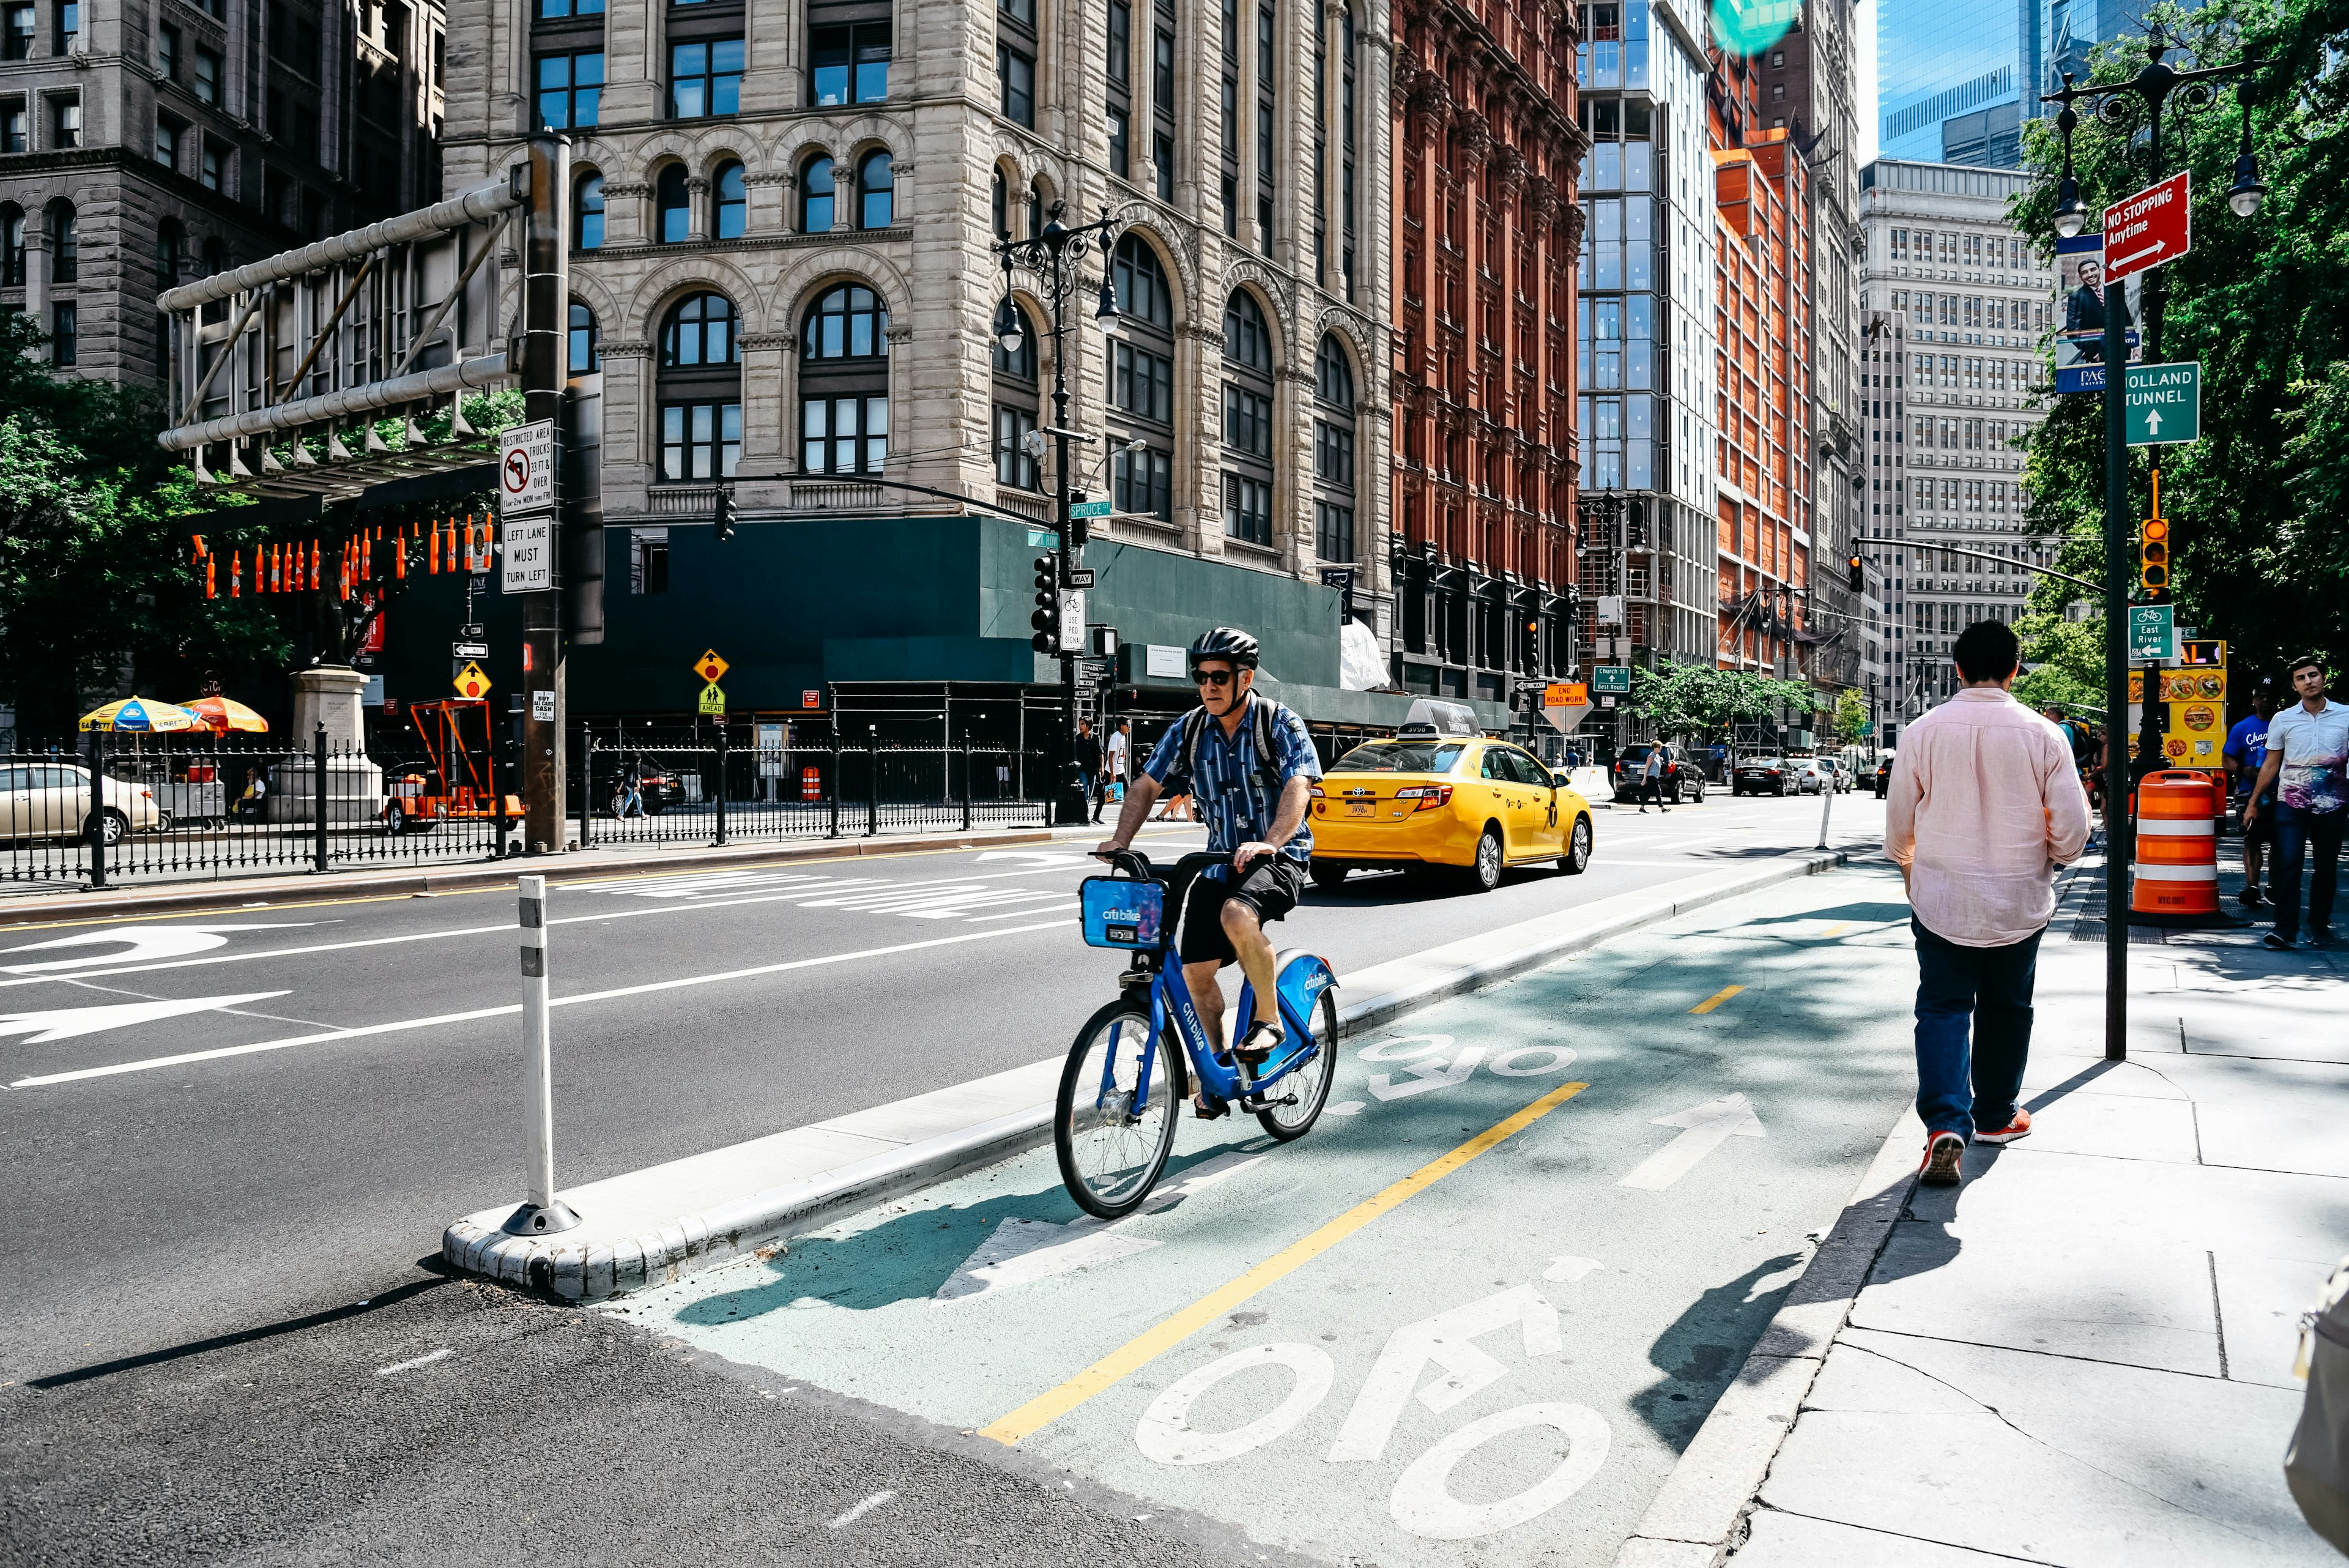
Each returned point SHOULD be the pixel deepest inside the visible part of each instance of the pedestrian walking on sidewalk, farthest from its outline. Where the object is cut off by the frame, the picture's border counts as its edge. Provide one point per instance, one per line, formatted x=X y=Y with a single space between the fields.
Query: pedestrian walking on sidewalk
x=1088 y=766
x=1984 y=804
x=2245 y=753
x=1652 y=779
x=2307 y=761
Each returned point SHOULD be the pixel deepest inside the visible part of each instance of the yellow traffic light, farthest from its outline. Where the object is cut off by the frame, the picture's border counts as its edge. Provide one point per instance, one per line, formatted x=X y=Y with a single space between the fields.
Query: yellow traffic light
x=2153 y=559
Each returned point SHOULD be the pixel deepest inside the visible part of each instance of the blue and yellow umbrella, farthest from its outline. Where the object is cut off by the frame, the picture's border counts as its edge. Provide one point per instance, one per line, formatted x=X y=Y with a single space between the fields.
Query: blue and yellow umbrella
x=142 y=715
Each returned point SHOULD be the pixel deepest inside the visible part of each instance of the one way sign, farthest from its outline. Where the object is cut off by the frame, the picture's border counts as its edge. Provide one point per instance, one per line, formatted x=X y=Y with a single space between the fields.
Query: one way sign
x=2163 y=403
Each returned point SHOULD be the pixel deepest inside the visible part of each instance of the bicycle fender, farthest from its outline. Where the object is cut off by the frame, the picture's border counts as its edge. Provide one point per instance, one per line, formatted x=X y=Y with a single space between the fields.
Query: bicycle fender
x=1301 y=978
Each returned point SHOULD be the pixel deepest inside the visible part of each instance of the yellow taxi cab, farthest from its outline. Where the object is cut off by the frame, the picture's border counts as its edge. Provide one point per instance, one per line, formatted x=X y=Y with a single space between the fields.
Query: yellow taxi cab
x=1441 y=795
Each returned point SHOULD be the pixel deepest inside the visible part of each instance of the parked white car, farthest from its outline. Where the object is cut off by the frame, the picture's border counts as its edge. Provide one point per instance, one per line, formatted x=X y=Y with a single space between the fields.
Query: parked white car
x=1813 y=775
x=51 y=800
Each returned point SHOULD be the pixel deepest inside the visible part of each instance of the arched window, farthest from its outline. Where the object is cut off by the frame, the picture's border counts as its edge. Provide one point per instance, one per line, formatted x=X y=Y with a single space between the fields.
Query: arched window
x=673 y=199
x=733 y=200
x=65 y=244
x=1000 y=197
x=1039 y=201
x=1333 y=452
x=700 y=391
x=1248 y=420
x=1016 y=408
x=586 y=355
x=877 y=191
x=587 y=215
x=12 y=247
x=170 y=237
x=816 y=196
x=845 y=382
x=1142 y=383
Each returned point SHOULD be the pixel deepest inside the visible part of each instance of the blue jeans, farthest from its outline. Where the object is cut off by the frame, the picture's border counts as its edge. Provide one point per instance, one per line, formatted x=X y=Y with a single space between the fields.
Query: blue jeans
x=1962 y=1086
x=2296 y=833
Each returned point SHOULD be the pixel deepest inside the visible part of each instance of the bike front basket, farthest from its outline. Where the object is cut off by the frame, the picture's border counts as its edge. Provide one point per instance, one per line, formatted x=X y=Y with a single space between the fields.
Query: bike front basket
x=1121 y=912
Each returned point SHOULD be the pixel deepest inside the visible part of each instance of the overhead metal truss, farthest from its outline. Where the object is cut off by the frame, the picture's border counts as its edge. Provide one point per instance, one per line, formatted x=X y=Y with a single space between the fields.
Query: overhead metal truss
x=286 y=370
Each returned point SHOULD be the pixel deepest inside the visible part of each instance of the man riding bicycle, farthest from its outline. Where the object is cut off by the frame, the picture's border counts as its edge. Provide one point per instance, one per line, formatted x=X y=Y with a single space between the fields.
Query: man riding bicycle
x=1248 y=764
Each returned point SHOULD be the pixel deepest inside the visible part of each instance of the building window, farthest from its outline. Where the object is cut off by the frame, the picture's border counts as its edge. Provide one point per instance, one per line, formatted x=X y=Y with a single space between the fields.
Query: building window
x=673 y=205
x=1266 y=111
x=16 y=33
x=1121 y=156
x=848 y=322
x=1333 y=530
x=586 y=355
x=844 y=434
x=1247 y=508
x=587 y=219
x=731 y=198
x=699 y=332
x=169 y=239
x=166 y=141
x=649 y=569
x=1248 y=418
x=1015 y=59
x=999 y=199
x=68 y=26
x=701 y=382
x=851 y=63
x=705 y=77
x=207 y=77
x=1346 y=145
x=556 y=10
x=1142 y=383
x=570 y=89
x=65 y=124
x=64 y=245
x=816 y=196
x=1140 y=285
x=14 y=136
x=845 y=382
x=1247 y=421
x=700 y=441
x=1247 y=341
x=1016 y=408
x=167 y=52
x=876 y=192
x=66 y=340
x=1142 y=483
x=1161 y=99
x=12 y=248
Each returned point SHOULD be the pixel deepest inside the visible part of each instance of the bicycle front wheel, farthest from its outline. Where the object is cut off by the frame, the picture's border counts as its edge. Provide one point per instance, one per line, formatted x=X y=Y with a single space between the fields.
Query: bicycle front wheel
x=1112 y=1142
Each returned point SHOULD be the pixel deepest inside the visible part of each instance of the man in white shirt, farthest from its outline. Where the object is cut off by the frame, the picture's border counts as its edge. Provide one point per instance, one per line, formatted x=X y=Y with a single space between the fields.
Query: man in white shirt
x=2308 y=767
x=1984 y=804
x=1121 y=746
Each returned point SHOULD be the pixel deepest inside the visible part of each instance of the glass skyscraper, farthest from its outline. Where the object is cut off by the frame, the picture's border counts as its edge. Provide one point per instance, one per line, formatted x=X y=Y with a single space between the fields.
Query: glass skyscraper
x=1954 y=84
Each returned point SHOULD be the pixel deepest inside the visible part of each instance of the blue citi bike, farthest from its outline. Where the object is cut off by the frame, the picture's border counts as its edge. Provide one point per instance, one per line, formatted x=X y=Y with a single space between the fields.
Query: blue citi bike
x=1134 y=1066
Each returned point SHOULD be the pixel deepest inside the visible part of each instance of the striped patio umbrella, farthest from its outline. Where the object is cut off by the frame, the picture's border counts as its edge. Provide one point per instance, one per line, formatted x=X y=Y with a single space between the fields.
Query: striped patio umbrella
x=225 y=714
x=134 y=715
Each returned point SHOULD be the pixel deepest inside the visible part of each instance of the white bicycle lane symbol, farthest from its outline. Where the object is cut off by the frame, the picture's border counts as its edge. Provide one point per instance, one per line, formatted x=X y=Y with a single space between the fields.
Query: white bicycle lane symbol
x=1421 y=1501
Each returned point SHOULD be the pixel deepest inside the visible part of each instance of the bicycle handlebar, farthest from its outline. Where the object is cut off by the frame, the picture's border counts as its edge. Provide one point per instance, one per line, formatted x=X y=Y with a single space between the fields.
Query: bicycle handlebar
x=1135 y=864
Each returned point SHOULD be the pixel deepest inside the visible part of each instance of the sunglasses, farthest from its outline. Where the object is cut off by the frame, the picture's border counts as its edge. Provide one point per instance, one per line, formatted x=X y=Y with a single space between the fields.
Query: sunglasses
x=1212 y=676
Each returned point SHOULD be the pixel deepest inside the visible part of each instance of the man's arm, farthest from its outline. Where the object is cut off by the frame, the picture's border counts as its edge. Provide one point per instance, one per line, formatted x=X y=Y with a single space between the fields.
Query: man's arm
x=2067 y=807
x=1901 y=807
x=1139 y=795
x=2268 y=771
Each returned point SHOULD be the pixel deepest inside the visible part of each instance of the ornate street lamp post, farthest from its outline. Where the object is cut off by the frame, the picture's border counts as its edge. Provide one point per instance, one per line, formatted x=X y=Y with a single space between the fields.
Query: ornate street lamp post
x=2153 y=90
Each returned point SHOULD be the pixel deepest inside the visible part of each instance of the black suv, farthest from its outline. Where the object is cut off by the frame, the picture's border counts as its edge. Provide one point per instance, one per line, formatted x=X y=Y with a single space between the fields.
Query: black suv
x=1884 y=777
x=1681 y=776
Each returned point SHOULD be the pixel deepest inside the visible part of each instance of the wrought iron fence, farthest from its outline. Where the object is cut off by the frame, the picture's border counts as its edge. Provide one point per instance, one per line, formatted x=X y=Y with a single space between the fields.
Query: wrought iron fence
x=109 y=809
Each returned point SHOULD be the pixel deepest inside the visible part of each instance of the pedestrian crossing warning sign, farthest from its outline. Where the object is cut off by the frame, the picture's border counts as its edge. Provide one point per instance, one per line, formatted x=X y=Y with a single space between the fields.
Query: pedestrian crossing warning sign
x=471 y=683
x=713 y=700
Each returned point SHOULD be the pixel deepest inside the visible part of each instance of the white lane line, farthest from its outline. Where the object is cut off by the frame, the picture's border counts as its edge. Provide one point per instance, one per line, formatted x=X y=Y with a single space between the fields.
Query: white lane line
x=1015 y=914
x=404 y=1025
x=427 y=1359
x=862 y=1508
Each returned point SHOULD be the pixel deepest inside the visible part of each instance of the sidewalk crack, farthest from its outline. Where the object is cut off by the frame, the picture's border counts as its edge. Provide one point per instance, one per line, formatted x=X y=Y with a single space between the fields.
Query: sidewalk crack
x=2035 y=1439
x=2217 y=1317
x=1905 y=1536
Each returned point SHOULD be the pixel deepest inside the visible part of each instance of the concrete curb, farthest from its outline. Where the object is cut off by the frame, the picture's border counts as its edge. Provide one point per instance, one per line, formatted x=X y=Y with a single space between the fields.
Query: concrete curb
x=580 y=1270
x=1699 y=1517
x=460 y=876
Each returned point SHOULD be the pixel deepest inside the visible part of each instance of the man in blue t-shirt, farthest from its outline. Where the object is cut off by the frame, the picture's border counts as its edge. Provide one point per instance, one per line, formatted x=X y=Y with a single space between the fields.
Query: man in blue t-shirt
x=2246 y=751
x=1249 y=766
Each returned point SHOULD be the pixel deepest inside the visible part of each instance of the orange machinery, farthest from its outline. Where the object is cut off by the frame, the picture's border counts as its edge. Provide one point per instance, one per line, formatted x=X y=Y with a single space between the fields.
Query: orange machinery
x=459 y=745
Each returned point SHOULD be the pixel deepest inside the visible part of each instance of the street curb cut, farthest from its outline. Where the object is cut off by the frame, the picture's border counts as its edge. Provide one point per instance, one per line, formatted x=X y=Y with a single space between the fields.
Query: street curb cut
x=462 y=877
x=1700 y=1515
x=695 y=1241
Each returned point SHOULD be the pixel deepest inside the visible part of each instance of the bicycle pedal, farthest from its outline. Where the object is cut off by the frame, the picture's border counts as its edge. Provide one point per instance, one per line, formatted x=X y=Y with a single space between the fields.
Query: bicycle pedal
x=1220 y=1109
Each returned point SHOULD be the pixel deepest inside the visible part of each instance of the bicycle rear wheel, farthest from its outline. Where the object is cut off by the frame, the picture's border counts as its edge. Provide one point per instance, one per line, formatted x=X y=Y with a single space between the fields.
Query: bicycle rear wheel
x=1309 y=1084
x=1111 y=1147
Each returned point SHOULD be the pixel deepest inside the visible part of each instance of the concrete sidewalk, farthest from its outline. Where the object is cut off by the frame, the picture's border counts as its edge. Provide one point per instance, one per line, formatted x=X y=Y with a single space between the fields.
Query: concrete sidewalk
x=2083 y=1355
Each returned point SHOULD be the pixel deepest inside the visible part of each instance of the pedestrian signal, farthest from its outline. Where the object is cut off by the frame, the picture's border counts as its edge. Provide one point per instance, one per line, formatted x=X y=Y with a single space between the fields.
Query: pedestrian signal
x=1047 y=618
x=2153 y=560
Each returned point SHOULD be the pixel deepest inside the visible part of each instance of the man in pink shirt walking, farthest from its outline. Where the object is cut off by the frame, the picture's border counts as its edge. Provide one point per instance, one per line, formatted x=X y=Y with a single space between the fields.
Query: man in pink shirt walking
x=1985 y=802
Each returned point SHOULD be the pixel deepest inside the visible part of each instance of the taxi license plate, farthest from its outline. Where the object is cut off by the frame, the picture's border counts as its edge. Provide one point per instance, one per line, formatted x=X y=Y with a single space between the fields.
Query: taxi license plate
x=1360 y=808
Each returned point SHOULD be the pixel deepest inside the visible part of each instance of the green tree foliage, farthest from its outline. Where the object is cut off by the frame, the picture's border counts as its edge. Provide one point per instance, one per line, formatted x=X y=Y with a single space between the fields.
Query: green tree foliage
x=1851 y=715
x=1700 y=703
x=2066 y=661
x=2257 y=504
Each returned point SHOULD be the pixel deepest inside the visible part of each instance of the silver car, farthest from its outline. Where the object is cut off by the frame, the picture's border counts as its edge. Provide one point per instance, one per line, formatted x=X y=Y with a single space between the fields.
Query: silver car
x=51 y=800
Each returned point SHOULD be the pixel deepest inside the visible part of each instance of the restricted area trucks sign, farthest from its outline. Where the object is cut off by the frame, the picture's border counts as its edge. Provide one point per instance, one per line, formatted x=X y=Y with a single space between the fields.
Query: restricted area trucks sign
x=526 y=507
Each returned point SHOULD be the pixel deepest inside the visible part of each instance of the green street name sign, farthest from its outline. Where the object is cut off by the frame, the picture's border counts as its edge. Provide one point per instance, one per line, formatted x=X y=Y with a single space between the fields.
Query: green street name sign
x=2163 y=403
x=2151 y=631
x=1614 y=678
x=1090 y=509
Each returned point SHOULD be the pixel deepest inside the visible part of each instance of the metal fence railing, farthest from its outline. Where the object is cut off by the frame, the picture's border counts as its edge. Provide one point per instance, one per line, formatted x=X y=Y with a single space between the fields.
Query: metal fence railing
x=109 y=809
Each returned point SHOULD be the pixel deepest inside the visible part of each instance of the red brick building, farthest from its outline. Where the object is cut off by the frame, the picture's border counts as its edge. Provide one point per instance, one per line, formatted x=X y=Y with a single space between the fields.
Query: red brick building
x=1486 y=228
x=1763 y=465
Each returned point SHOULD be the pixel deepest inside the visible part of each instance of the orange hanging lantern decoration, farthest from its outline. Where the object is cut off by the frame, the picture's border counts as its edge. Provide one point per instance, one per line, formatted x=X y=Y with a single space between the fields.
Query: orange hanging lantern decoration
x=366 y=558
x=236 y=574
x=436 y=549
x=398 y=554
x=212 y=584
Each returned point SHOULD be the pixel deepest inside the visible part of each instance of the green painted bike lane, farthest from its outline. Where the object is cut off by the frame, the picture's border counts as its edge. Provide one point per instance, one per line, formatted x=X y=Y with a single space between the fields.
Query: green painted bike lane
x=1473 y=1316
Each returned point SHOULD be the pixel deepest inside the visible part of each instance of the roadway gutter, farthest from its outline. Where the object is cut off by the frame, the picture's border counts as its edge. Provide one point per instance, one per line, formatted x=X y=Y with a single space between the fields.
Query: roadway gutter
x=655 y=1226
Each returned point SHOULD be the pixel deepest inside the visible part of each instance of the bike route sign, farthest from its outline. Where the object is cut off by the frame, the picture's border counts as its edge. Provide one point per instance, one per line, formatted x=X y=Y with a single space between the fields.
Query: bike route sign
x=2151 y=631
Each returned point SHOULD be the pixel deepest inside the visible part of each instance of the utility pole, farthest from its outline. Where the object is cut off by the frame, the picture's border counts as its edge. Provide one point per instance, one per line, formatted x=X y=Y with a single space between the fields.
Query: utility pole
x=546 y=295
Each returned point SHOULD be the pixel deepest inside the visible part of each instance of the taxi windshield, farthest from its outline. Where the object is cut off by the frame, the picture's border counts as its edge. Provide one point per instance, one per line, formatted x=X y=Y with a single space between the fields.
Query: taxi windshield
x=1402 y=757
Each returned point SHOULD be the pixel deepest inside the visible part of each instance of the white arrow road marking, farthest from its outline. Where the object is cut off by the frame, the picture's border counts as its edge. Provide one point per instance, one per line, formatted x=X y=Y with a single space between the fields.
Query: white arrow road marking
x=69 y=1023
x=862 y=1508
x=1566 y=1270
x=1447 y=1340
x=1707 y=1127
x=1022 y=1251
x=1037 y=857
x=146 y=943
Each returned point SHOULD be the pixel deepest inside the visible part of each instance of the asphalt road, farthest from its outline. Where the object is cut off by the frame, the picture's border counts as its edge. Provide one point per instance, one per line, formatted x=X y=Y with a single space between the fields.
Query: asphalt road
x=226 y=1129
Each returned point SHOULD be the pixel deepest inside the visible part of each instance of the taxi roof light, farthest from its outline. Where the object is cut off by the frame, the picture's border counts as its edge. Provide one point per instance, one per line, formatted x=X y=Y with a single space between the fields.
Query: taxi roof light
x=1429 y=716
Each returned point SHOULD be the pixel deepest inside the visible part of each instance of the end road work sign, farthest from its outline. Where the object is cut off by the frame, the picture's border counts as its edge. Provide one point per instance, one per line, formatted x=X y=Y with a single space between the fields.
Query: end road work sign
x=2147 y=229
x=2163 y=403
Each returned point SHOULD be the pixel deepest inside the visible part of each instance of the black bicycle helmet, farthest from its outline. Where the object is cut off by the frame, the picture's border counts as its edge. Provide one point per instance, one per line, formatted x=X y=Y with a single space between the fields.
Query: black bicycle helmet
x=1226 y=642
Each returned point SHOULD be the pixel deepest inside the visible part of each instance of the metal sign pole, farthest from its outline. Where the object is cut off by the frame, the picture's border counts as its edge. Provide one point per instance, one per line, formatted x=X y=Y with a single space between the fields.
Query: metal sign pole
x=545 y=313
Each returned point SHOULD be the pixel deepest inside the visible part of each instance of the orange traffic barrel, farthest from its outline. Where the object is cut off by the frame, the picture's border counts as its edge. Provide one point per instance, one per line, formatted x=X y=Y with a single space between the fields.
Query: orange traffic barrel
x=2177 y=845
x=811 y=784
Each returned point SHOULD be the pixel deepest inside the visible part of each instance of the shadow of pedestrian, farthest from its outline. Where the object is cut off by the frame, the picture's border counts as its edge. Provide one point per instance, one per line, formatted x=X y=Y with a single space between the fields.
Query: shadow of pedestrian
x=1700 y=1352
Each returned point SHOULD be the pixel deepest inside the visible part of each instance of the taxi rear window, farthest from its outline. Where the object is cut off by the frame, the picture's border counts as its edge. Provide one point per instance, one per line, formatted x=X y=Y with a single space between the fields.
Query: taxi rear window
x=1402 y=757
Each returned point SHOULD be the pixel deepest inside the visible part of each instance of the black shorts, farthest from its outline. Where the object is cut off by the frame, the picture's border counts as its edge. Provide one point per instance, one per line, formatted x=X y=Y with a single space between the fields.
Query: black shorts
x=1271 y=887
x=2263 y=827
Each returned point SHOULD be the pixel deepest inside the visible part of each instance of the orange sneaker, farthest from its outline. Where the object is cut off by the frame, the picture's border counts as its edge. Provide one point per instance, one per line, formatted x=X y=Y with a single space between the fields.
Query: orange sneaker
x=2019 y=1127
x=1942 y=1151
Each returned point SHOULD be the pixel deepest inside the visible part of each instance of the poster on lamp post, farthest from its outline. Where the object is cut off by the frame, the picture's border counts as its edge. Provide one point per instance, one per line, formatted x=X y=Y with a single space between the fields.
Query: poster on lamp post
x=2080 y=305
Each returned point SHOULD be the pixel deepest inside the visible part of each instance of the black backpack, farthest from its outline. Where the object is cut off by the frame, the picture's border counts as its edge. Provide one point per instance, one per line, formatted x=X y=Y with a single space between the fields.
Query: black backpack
x=1268 y=713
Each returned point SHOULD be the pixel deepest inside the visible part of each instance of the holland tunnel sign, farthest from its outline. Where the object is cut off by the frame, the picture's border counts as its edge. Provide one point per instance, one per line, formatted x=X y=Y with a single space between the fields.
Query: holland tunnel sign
x=2147 y=229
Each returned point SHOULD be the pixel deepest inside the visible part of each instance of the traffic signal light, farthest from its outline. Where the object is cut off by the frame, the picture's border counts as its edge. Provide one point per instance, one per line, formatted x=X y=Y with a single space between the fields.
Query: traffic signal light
x=721 y=514
x=1047 y=618
x=1858 y=579
x=2153 y=561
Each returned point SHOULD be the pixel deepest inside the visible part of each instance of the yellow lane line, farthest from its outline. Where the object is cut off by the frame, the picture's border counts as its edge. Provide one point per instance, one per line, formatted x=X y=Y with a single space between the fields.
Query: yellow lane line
x=1837 y=930
x=1130 y=1357
x=1716 y=999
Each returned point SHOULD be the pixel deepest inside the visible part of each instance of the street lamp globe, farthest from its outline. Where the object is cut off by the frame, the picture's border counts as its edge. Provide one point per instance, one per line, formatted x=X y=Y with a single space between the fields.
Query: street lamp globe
x=2071 y=213
x=2247 y=193
x=1105 y=309
x=1006 y=328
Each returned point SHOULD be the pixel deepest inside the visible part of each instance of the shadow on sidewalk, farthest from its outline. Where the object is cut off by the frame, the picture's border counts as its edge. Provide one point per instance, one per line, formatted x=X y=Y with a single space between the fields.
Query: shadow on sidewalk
x=1698 y=1354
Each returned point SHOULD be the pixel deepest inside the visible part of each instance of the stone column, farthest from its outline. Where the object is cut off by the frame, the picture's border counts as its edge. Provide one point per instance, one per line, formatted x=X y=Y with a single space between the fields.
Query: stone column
x=327 y=695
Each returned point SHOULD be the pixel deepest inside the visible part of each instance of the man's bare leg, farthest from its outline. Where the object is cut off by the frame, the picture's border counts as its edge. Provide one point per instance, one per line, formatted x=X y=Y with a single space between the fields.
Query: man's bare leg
x=1255 y=956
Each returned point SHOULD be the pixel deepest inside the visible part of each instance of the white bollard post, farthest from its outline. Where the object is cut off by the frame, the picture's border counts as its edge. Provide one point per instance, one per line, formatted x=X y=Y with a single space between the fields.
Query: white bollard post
x=544 y=1213
x=1827 y=809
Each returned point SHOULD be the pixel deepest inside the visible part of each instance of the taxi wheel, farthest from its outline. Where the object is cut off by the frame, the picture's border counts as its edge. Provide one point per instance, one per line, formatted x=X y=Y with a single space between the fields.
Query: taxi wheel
x=1484 y=873
x=1577 y=859
x=1327 y=875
